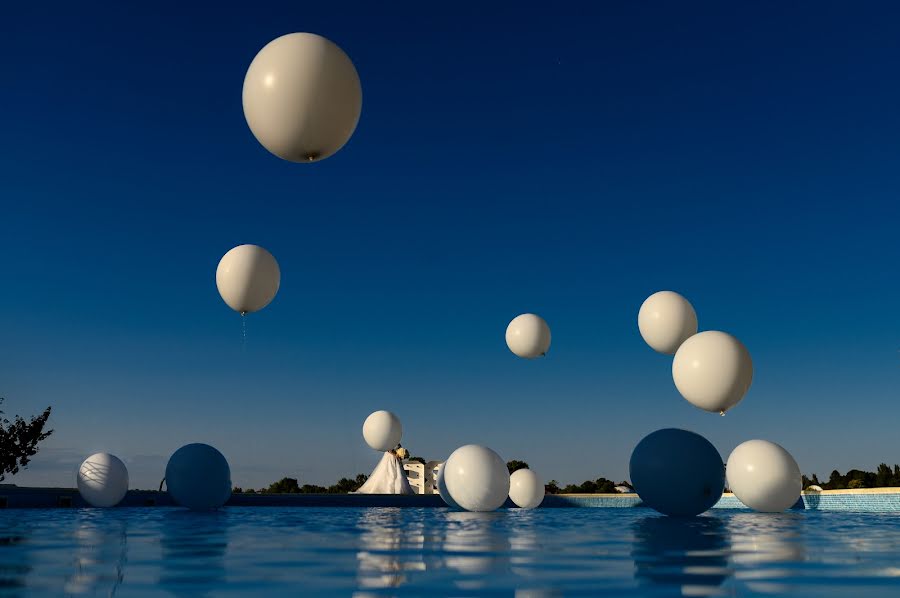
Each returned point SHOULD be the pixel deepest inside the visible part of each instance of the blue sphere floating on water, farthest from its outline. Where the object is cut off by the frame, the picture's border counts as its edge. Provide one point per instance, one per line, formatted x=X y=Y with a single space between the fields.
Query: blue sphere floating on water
x=198 y=477
x=677 y=472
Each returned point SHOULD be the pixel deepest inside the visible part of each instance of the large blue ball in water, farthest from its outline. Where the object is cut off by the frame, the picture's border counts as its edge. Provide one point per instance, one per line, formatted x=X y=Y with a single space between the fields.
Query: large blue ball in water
x=677 y=472
x=198 y=477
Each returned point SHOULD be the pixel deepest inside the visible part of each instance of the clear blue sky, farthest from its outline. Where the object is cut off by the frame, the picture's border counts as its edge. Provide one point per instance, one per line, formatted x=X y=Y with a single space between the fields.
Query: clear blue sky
x=567 y=162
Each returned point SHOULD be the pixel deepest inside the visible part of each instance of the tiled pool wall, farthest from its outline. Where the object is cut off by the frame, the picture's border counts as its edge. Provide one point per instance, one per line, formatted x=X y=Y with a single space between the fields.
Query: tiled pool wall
x=868 y=500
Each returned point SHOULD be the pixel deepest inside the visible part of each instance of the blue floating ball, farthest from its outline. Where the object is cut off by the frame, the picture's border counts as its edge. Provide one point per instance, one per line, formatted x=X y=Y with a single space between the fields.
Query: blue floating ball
x=677 y=472
x=198 y=477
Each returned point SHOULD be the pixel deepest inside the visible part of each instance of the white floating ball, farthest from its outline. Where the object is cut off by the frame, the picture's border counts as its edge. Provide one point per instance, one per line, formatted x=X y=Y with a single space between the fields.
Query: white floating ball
x=248 y=278
x=476 y=478
x=713 y=371
x=382 y=430
x=302 y=97
x=442 y=490
x=528 y=336
x=764 y=476
x=102 y=480
x=526 y=489
x=677 y=472
x=666 y=319
x=198 y=477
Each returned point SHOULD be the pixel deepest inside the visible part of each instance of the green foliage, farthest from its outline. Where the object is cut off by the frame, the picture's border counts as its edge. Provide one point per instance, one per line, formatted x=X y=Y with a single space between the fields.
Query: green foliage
x=19 y=440
x=856 y=484
x=551 y=487
x=291 y=486
x=882 y=477
x=284 y=486
x=515 y=465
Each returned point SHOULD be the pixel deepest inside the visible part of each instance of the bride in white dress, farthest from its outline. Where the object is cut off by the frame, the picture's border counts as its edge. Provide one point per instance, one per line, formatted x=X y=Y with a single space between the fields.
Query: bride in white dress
x=388 y=476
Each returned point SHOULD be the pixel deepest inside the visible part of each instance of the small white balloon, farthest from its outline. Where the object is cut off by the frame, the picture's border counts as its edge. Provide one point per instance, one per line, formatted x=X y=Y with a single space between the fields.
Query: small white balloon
x=302 y=97
x=526 y=489
x=713 y=371
x=382 y=430
x=102 y=480
x=248 y=278
x=528 y=336
x=666 y=319
x=442 y=490
x=198 y=477
x=476 y=478
x=764 y=476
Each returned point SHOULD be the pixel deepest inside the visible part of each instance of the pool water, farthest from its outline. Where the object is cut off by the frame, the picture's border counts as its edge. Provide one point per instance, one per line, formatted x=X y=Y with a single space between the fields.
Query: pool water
x=414 y=552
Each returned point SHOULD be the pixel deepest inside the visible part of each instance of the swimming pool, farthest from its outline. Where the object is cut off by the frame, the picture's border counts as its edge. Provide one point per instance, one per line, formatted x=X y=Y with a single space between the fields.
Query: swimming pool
x=418 y=551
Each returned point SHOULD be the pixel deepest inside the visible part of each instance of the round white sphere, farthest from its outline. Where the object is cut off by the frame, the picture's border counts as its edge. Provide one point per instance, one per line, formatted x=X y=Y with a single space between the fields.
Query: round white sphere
x=198 y=477
x=248 y=278
x=102 y=480
x=528 y=336
x=712 y=370
x=382 y=430
x=677 y=472
x=666 y=319
x=764 y=476
x=442 y=490
x=476 y=478
x=302 y=97
x=526 y=489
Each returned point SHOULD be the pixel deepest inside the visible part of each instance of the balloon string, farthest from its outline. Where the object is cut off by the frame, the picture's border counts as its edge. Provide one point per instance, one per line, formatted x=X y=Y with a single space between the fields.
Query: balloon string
x=243 y=331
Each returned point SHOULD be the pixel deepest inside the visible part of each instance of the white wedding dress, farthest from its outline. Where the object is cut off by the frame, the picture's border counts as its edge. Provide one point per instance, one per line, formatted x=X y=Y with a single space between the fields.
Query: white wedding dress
x=387 y=478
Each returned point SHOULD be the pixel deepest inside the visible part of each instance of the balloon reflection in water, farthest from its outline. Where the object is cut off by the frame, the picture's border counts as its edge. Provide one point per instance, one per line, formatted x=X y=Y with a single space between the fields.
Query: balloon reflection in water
x=765 y=539
x=475 y=548
x=687 y=554
x=100 y=555
x=194 y=544
x=391 y=545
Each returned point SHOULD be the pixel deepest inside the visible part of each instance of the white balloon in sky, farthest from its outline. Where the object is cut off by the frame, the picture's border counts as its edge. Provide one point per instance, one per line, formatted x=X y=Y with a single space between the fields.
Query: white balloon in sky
x=528 y=336
x=666 y=319
x=102 y=480
x=764 y=476
x=712 y=370
x=526 y=489
x=476 y=478
x=248 y=278
x=302 y=97
x=382 y=430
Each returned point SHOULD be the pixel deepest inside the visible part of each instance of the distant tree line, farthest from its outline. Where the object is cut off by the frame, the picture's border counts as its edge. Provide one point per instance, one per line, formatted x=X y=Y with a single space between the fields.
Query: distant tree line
x=883 y=477
x=598 y=486
x=292 y=486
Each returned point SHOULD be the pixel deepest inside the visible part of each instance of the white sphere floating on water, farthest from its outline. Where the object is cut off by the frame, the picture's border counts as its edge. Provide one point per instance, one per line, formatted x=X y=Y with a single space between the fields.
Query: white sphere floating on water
x=442 y=490
x=528 y=336
x=198 y=477
x=677 y=472
x=476 y=478
x=382 y=430
x=713 y=371
x=666 y=319
x=102 y=480
x=248 y=278
x=526 y=489
x=764 y=476
x=302 y=97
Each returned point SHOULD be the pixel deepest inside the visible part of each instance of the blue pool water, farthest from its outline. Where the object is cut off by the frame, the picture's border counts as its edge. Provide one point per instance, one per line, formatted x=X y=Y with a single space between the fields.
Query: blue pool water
x=414 y=552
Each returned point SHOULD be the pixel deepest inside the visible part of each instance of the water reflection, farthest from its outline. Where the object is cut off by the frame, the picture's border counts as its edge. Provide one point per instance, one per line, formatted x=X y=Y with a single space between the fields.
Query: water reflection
x=391 y=545
x=475 y=548
x=194 y=544
x=763 y=545
x=100 y=554
x=688 y=554
x=14 y=559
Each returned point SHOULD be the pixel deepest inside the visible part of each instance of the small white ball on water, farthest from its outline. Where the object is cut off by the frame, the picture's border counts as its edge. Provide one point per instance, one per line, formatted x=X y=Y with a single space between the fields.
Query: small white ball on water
x=382 y=430
x=526 y=489
x=713 y=371
x=528 y=336
x=476 y=478
x=102 y=480
x=764 y=476
x=198 y=477
x=666 y=319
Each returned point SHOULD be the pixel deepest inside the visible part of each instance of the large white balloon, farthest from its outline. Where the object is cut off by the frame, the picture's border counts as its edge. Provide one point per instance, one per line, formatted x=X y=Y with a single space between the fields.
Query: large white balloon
x=198 y=477
x=302 y=97
x=677 y=472
x=103 y=480
x=666 y=319
x=764 y=476
x=476 y=478
x=442 y=490
x=526 y=489
x=713 y=371
x=248 y=278
x=528 y=336
x=382 y=430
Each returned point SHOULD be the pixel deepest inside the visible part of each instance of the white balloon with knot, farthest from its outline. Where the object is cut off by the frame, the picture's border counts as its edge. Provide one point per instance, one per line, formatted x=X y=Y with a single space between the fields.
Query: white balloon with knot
x=248 y=278
x=382 y=430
